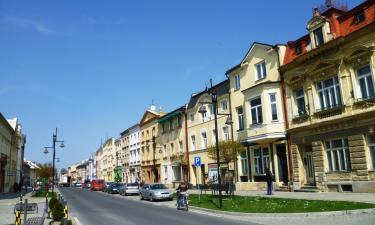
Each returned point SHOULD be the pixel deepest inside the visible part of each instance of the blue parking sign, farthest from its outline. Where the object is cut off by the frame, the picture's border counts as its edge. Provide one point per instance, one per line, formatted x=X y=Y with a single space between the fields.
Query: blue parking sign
x=197 y=161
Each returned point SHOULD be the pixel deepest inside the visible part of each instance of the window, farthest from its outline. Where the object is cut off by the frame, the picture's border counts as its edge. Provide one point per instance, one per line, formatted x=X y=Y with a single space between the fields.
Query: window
x=300 y=100
x=237 y=83
x=224 y=105
x=261 y=70
x=256 y=111
x=338 y=155
x=371 y=145
x=298 y=49
x=244 y=168
x=211 y=109
x=365 y=82
x=329 y=93
x=192 y=117
x=181 y=145
x=165 y=151
x=318 y=35
x=203 y=115
x=261 y=160
x=359 y=17
x=204 y=140
x=172 y=147
x=214 y=136
x=273 y=106
x=226 y=133
x=165 y=173
x=193 y=147
x=240 y=118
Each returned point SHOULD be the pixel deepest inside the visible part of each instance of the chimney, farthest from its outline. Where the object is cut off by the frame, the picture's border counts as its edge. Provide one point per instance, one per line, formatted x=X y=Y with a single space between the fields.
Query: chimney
x=316 y=12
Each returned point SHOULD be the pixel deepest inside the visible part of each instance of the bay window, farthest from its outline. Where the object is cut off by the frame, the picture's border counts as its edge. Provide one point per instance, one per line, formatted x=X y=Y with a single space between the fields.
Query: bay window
x=329 y=93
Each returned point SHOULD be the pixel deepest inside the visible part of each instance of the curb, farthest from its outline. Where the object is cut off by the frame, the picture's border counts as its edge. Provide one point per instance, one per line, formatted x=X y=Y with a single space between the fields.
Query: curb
x=330 y=213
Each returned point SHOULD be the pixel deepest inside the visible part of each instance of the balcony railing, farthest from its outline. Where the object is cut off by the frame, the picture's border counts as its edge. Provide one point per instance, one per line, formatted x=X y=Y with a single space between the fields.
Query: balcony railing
x=364 y=102
x=330 y=111
x=300 y=118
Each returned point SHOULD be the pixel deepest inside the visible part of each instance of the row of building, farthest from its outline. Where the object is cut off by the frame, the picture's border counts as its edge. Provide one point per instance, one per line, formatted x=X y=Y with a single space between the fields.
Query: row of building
x=12 y=148
x=305 y=110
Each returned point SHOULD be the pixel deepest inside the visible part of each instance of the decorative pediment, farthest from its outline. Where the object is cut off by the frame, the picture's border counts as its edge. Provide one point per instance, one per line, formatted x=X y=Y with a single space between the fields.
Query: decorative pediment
x=360 y=55
x=148 y=116
x=316 y=22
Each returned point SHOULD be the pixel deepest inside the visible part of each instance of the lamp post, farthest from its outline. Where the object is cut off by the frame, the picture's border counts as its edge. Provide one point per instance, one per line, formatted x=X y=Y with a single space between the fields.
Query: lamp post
x=54 y=141
x=229 y=121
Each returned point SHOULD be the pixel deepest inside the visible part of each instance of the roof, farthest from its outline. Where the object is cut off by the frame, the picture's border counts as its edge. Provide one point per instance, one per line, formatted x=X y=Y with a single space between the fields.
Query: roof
x=247 y=53
x=5 y=121
x=129 y=129
x=220 y=88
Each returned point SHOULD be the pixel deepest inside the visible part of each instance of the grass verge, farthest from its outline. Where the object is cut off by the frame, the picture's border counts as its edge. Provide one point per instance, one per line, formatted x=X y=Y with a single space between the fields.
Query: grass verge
x=247 y=204
x=43 y=194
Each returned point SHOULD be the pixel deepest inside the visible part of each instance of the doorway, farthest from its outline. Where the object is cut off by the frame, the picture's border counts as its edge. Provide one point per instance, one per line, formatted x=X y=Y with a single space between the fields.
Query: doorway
x=282 y=162
x=309 y=165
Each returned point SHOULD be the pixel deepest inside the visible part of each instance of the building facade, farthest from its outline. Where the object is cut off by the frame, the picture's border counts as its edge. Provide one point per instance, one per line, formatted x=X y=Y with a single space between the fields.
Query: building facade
x=329 y=81
x=109 y=160
x=201 y=133
x=173 y=147
x=99 y=163
x=133 y=158
x=258 y=115
x=150 y=147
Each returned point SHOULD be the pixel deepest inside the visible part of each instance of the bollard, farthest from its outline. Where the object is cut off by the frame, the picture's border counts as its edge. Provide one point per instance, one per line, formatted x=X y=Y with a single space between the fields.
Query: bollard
x=65 y=213
x=48 y=217
x=18 y=218
x=25 y=213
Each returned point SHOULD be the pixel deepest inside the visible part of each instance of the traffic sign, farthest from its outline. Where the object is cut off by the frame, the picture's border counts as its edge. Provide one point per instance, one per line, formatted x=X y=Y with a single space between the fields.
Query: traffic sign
x=197 y=161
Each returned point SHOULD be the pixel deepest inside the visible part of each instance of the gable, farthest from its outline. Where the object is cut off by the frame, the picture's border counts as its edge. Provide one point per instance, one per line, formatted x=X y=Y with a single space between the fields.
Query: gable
x=148 y=116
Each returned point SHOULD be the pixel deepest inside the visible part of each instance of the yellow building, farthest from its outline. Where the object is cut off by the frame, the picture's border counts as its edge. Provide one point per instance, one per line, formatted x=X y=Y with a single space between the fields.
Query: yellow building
x=258 y=115
x=201 y=132
x=150 y=155
x=173 y=148
x=330 y=97
x=109 y=160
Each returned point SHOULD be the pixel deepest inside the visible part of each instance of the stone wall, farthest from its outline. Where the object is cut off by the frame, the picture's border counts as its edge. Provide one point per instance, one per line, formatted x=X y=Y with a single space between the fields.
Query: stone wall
x=318 y=160
x=357 y=148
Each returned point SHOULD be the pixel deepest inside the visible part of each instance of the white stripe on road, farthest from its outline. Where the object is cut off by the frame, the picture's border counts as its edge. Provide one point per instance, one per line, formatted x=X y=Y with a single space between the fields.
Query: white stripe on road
x=205 y=213
x=77 y=221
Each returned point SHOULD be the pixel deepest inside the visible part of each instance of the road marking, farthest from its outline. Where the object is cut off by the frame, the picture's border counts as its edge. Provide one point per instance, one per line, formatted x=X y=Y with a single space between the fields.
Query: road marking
x=205 y=213
x=77 y=221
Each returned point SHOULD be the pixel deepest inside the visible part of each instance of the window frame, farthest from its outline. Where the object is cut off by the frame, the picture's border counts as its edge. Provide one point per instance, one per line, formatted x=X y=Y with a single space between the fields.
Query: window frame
x=226 y=134
x=193 y=142
x=371 y=148
x=315 y=36
x=273 y=103
x=334 y=155
x=261 y=160
x=257 y=108
x=300 y=97
x=240 y=117
x=237 y=82
x=323 y=91
x=365 y=77
x=261 y=70
x=224 y=103
x=204 y=140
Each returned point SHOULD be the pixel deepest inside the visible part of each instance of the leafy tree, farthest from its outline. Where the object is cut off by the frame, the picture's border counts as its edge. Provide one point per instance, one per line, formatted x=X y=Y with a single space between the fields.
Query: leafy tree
x=229 y=151
x=45 y=171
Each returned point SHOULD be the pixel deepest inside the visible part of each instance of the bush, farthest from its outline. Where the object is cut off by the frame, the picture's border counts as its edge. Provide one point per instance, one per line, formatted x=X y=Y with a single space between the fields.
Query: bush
x=52 y=203
x=69 y=222
x=58 y=212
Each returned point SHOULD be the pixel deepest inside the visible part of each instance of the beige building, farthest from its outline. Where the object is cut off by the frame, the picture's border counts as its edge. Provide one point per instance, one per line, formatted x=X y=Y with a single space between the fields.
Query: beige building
x=99 y=163
x=329 y=79
x=201 y=132
x=150 y=147
x=258 y=115
x=173 y=147
x=109 y=160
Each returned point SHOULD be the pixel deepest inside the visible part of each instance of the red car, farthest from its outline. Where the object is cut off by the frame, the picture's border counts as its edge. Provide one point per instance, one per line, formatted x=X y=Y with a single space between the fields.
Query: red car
x=97 y=185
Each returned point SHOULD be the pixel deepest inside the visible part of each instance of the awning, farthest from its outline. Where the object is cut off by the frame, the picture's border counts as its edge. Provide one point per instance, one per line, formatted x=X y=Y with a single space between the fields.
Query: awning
x=169 y=116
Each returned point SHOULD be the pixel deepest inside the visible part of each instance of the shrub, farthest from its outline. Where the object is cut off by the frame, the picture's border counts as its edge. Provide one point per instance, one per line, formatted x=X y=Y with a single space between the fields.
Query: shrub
x=58 y=212
x=69 y=222
x=52 y=203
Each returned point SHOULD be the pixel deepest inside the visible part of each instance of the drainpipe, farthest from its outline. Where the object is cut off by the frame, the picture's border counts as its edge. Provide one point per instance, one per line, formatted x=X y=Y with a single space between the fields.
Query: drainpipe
x=288 y=138
x=187 y=145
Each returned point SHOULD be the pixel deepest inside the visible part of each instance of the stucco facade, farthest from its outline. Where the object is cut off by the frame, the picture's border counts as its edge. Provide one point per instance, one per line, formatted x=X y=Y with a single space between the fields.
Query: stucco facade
x=330 y=101
x=109 y=160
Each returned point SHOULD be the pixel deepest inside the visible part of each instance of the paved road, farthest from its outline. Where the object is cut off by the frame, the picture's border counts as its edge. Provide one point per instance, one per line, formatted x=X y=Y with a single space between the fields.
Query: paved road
x=93 y=208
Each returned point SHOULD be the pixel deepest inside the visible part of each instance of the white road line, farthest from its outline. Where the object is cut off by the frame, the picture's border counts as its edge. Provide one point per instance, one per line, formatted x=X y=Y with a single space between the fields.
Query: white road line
x=77 y=221
x=205 y=213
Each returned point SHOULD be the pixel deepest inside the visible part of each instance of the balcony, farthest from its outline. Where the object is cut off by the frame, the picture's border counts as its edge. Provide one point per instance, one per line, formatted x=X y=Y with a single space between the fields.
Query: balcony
x=327 y=112
x=362 y=103
x=301 y=117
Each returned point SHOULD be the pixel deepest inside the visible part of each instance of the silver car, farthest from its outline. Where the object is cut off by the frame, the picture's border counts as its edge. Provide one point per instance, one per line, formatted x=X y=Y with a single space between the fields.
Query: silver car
x=155 y=192
x=129 y=189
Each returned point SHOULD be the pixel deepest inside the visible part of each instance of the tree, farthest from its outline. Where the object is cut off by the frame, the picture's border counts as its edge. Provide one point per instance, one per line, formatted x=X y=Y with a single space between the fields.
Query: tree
x=45 y=171
x=229 y=151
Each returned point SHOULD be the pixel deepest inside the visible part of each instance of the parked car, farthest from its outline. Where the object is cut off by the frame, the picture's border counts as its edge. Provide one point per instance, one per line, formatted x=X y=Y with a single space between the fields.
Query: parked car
x=106 y=186
x=129 y=189
x=78 y=184
x=86 y=184
x=97 y=185
x=155 y=192
x=114 y=188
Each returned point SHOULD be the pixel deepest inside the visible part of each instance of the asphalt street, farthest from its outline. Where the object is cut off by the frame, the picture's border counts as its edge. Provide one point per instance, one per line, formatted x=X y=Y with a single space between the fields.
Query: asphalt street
x=96 y=208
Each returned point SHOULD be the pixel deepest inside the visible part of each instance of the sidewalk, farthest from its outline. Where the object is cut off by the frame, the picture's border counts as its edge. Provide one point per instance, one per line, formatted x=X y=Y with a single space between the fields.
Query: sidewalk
x=9 y=200
x=333 y=196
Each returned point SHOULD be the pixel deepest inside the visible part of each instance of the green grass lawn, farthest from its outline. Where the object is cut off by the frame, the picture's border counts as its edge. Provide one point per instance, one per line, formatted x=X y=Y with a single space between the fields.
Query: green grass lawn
x=273 y=205
x=43 y=194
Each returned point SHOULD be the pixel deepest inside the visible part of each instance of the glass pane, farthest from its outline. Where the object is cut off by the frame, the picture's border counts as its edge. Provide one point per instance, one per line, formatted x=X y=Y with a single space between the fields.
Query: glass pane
x=274 y=112
x=364 y=70
x=337 y=143
x=321 y=99
x=239 y=110
x=336 y=160
x=338 y=95
x=328 y=83
x=348 y=162
x=260 y=116
x=255 y=102
x=327 y=99
x=329 y=160
x=273 y=97
x=254 y=115
x=371 y=139
x=259 y=72
x=320 y=85
x=372 y=151
x=257 y=152
x=265 y=152
x=299 y=93
x=264 y=69
x=370 y=84
x=342 y=159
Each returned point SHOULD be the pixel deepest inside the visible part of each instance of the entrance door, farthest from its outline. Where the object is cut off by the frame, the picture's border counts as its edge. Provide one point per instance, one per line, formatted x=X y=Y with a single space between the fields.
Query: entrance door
x=309 y=166
x=282 y=163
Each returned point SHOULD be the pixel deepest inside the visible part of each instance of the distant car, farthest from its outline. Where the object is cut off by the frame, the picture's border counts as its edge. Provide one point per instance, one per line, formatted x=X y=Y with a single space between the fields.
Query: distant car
x=106 y=186
x=78 y=184
x=155 y=192
x=129 y=189
x=97 y=185
x=114 y=188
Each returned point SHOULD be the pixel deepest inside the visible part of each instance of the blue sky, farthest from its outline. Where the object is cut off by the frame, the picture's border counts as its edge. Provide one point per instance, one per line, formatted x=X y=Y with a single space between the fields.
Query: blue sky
x=91 y=68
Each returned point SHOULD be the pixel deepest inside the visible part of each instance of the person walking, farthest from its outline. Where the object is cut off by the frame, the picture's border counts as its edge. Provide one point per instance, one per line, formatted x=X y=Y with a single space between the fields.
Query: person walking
x=269 y=179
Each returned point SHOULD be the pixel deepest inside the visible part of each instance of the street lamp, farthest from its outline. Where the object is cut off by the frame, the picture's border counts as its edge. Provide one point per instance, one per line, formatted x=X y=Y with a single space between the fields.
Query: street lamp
x=54 y=141
x=229 y=121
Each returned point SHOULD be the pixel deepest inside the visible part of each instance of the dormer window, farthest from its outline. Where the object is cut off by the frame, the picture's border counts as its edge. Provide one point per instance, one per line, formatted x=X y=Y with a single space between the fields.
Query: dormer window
x=298 y=49
x=359 y=17
x=318 y=36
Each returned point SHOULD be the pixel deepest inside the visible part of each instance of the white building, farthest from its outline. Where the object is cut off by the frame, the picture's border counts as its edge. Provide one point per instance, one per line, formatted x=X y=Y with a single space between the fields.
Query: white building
x=134 y=153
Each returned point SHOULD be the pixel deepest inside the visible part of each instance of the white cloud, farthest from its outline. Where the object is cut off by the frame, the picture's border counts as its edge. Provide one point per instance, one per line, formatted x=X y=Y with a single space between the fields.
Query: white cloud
x=26 y=23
